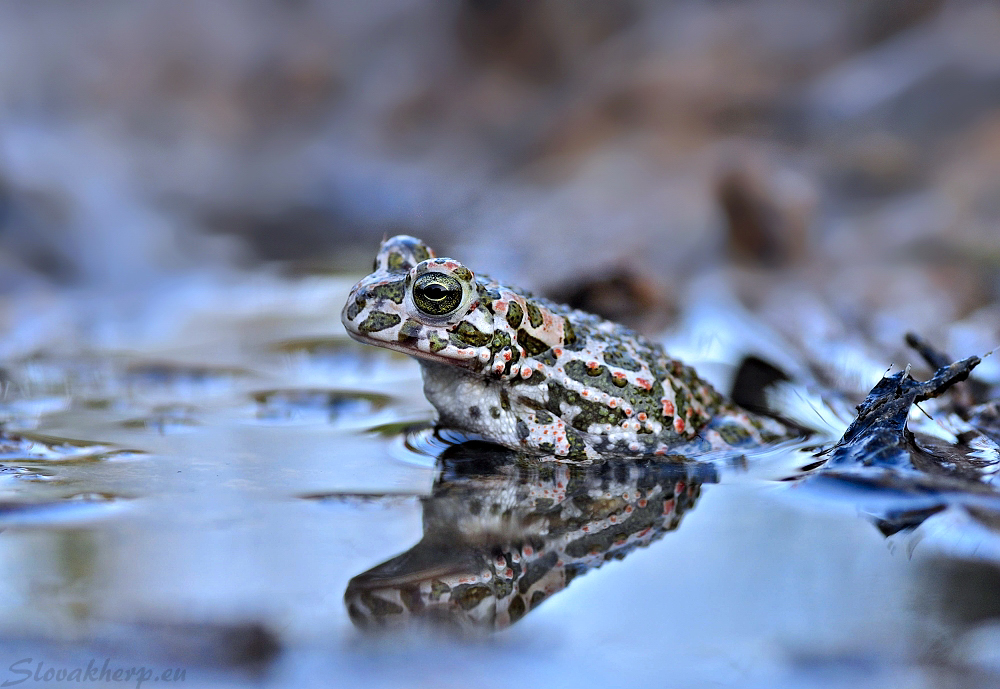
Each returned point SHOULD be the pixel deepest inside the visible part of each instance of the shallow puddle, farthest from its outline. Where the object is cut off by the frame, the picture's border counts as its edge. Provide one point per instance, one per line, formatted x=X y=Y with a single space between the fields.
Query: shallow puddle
x=281 y=511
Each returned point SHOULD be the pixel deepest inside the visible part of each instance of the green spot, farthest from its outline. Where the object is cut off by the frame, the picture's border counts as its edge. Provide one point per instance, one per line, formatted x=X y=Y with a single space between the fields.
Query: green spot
x=596 y=370
x=536 y=598
x=516 y=609
x=681 y=403
x=495 y=412
x=355 y=308
x=569 y=335
x=470 y=596
x=501 y=340
x=468 y=334
x=532 y=345
x=577 y=448
x=534 y=314
x=487 y=296
x=615 y=355
x=514 y=314
x=515 y=356
x=437 y=342
x=410 y=330
x=438 y=589
x=734 y=435
x=542 y=416
x=463 y=273
x=421 y=253
x=392 y=291
x=378 y=320
x=502 y=587
x=396 y=262
x=504 y=400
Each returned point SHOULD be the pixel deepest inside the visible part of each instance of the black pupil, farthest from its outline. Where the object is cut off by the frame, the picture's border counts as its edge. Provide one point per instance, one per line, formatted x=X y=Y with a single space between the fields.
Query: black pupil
x=436 y=292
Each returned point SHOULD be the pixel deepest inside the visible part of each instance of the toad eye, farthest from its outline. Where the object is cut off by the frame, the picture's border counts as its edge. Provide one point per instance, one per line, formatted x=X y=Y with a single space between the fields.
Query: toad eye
x=437 y=294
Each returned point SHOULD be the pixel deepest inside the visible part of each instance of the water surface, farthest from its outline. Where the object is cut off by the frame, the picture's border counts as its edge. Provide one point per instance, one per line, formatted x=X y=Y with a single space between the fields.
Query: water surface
x=206 y=502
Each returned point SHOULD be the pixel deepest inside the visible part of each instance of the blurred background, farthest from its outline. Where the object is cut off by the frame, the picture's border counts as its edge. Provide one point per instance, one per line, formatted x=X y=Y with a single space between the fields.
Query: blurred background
x=188 y=190
x=605 y=152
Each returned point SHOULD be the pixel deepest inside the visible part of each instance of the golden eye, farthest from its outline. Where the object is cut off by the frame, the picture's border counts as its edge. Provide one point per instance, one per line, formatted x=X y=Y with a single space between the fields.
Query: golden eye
x=437 y=294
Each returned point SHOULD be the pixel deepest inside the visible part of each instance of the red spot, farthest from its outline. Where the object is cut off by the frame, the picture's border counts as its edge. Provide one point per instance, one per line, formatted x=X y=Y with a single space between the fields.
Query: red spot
x=680 y=487
x=557 y=351
x=585 y=529
x=526 y=372
x=592 y=364
x=507 y=355
x=643 y=383
x=612 y=403
x=668 y=408
x=528 y=550
x=642 y=416
x=628 y=509
x=679 y=424
x=559 y=485
x=642 y=503
x=628 y=411
x=618 y=375
x=644 y=532
x=668 y=507
x=584 y=393
x=508 y=572
x=613 y=519
x=660 y=451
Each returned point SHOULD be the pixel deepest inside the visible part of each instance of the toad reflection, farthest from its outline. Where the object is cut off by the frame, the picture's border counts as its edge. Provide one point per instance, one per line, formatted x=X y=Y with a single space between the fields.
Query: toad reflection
x=501 y=538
